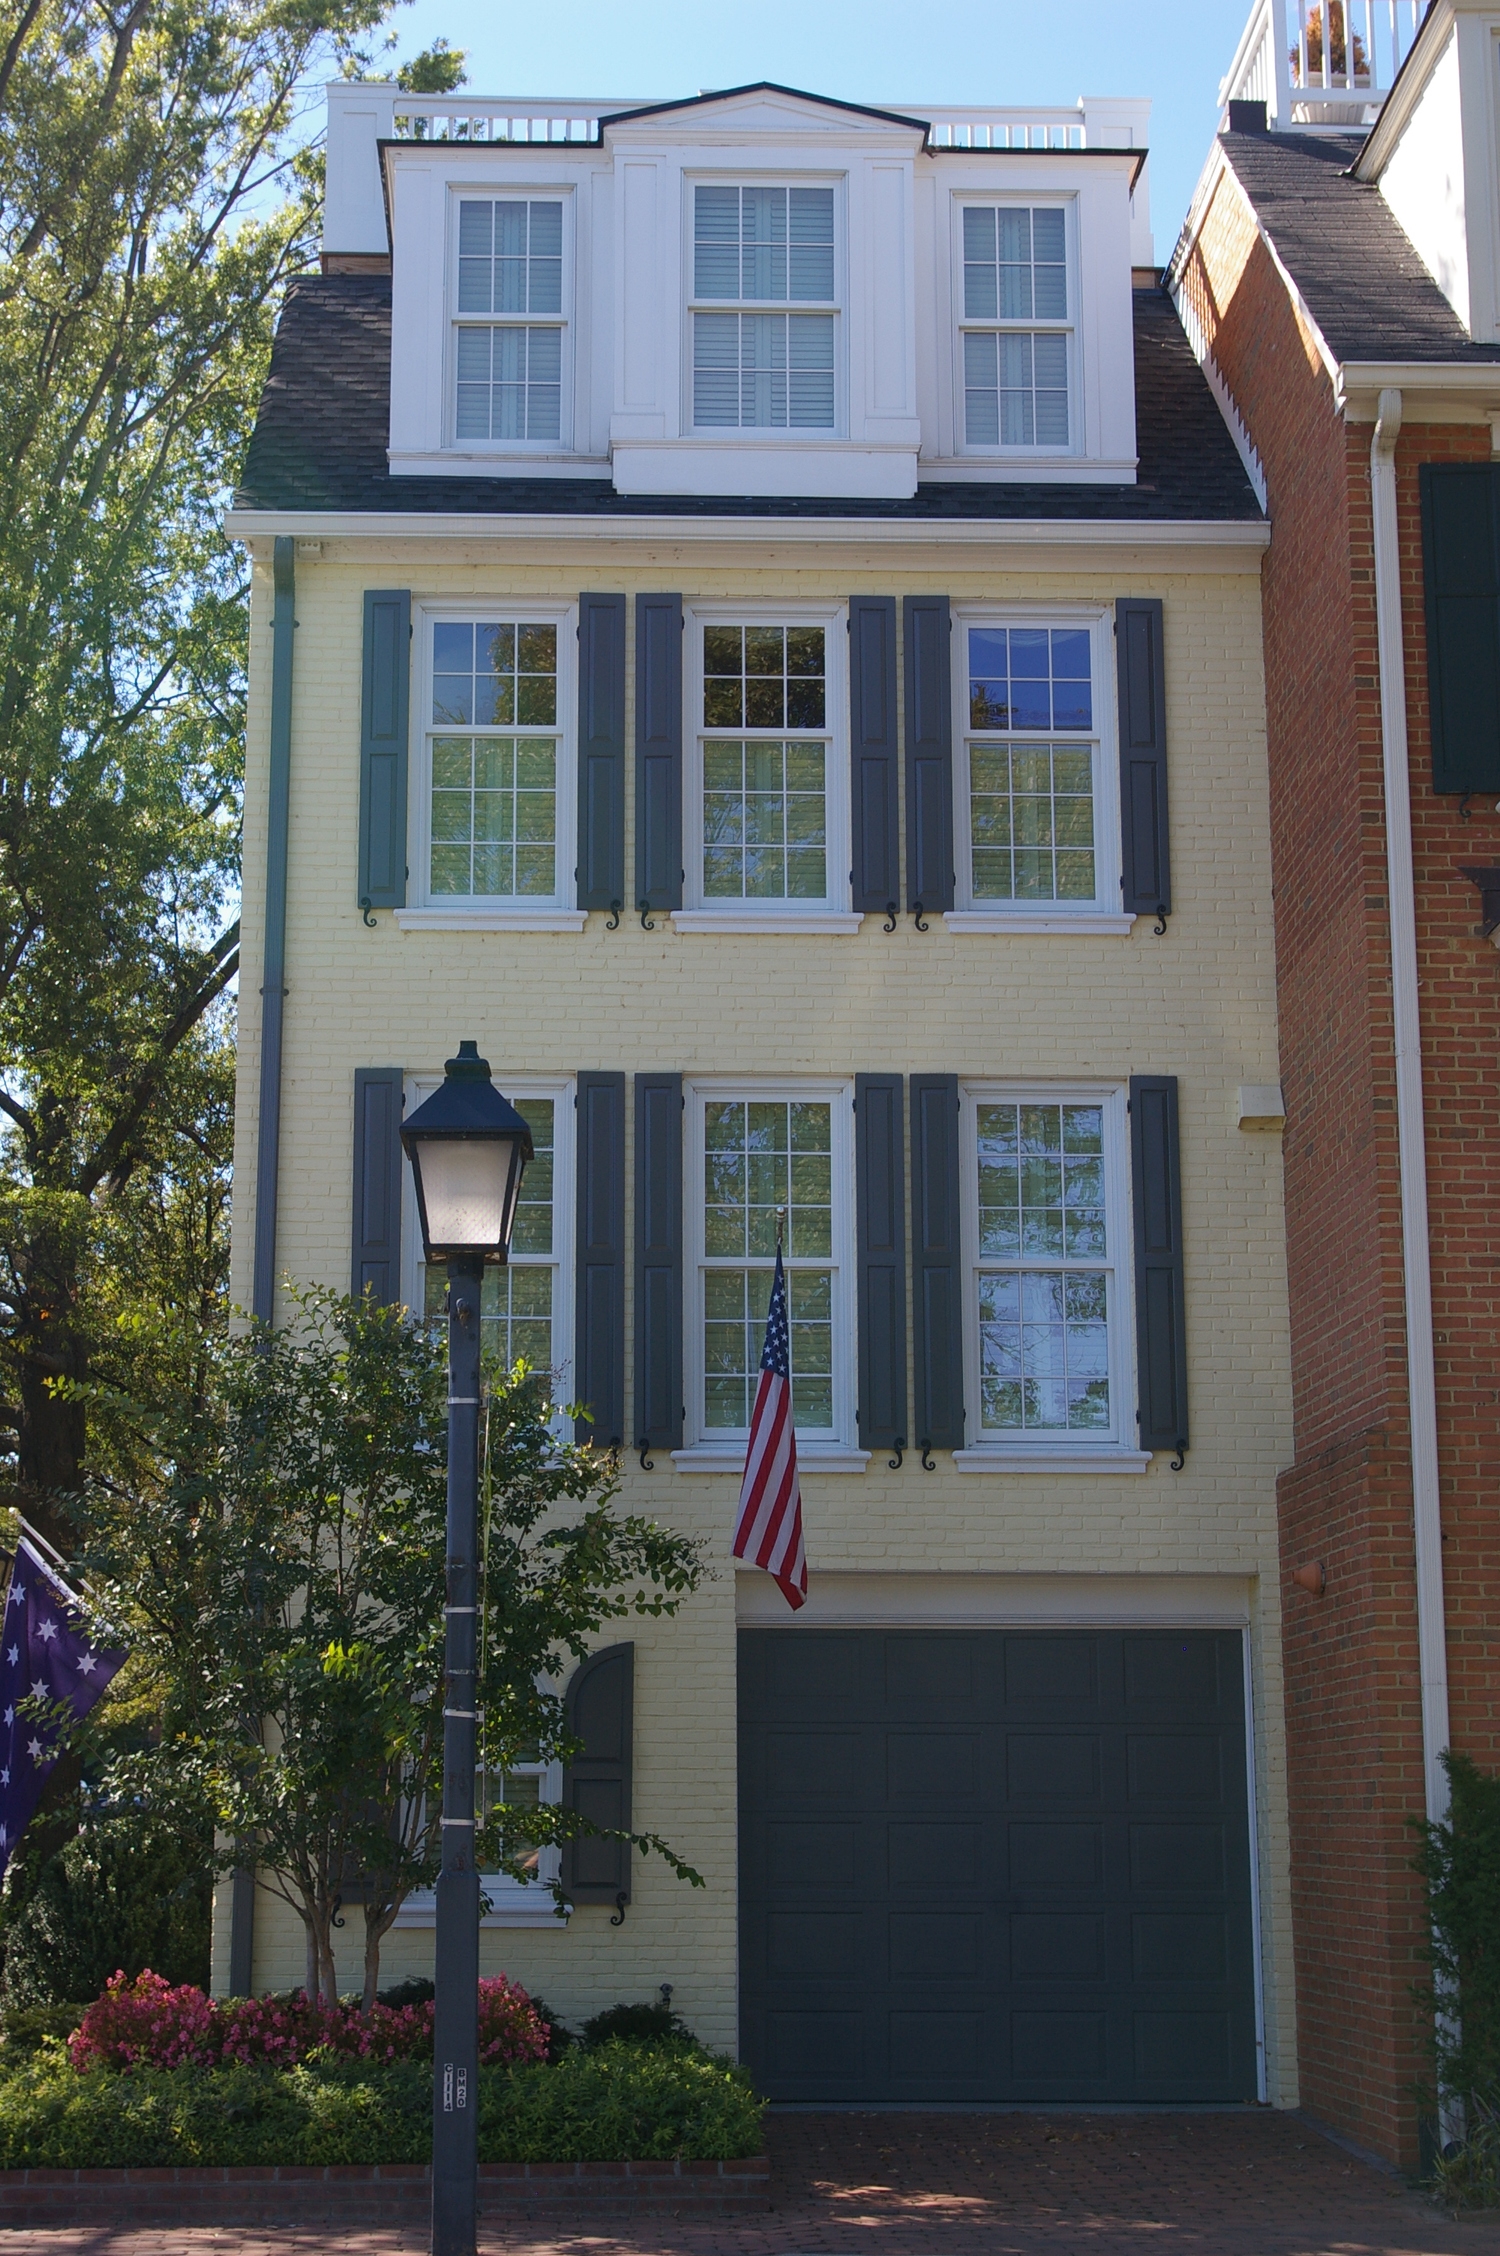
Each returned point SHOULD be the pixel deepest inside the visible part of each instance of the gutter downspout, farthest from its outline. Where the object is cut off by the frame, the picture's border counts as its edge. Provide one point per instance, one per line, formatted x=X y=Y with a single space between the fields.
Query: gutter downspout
x=1421 y=1378
x=268 y=1145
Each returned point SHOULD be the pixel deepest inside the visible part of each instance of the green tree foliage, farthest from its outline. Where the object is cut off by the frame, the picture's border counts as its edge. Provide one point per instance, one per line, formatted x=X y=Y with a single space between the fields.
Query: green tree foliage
x=437 y=70
x=151 y=210
x=127 y=1892
x=276 y=1561
x=1460 y=1861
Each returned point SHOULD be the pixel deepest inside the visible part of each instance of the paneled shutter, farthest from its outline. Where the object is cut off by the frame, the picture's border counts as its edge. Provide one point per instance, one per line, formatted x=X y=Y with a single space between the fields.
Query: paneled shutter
x=1461 y=571
x=598 y=1706
x=658 y=751
x=880 y=1201
x=873 y=758
x=377 y=1182
x=937 y=1282
x=601 y=751
x=1160 y=1305
x=599 y=1319
x=385 y=724
x=1146 y=876
x=929 y=753
x=658 y=1261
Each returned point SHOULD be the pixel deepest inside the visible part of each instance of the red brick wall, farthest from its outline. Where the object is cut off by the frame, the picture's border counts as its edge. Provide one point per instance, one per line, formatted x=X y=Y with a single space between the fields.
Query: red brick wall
x=1353 y=1704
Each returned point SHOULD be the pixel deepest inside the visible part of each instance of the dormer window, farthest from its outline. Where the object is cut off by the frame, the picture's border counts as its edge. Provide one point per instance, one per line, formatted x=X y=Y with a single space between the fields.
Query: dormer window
x=1016 y=338
x=509 y=364
x=765 y=250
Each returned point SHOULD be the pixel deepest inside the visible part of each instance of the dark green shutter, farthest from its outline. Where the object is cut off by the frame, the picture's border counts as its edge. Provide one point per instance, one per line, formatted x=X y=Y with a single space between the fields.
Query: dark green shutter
x=1140 y=667
x=880 y=1207
x=658 y=1261
x=1160 y=1305
x=929 y=753
x=599 y=1320
x=1461 y=572
x=601 y=751
x=377 y=1182
x=658 y=751
x=937 y=1271
x=598 y=1706
x=873 y=753
x=383 y=749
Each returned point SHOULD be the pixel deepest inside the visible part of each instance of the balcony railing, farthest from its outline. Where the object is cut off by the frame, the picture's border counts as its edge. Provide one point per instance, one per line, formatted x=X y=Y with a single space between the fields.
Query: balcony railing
x=1321 y=65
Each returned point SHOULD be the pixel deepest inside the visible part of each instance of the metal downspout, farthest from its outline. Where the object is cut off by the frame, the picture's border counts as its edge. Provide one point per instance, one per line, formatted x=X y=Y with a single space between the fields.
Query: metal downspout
x=1432 y=1651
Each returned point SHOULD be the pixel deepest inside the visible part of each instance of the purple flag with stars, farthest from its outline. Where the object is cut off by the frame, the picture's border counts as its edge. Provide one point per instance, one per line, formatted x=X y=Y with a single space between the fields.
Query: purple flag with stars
x=45 y=1654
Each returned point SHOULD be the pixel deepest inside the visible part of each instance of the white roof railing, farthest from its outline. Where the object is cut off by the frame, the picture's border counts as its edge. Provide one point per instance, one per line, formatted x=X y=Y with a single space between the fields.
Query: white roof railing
x=1312 y=83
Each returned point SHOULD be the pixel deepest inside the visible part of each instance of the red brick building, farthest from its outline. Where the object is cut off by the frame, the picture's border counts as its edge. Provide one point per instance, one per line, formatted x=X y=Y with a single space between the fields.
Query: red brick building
x=1343 y=293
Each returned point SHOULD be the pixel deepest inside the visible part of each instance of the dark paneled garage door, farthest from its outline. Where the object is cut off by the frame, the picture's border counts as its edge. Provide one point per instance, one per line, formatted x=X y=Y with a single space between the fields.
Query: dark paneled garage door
x=995 y=1865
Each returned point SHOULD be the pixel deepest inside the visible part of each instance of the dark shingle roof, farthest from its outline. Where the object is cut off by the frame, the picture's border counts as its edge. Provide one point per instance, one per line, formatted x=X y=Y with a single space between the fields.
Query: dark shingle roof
x=320 y=439
x=1360 y=279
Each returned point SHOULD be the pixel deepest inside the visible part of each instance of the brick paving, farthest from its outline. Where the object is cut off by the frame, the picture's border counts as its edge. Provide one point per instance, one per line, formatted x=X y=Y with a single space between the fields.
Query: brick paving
x=957 y=2185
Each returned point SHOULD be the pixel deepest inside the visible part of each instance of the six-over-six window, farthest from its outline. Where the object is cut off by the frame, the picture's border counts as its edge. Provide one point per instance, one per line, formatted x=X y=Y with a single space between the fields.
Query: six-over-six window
x=1035 y=792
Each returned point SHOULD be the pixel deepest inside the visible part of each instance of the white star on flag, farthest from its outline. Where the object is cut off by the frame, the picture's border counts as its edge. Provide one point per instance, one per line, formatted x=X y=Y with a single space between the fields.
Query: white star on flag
x=46 y=1631
x=39 y=1688
x=33 y=1748
x=17 y=1594
x=13 y=1655
x=87 y=1663
x=5 y=1776
x=10 y=1715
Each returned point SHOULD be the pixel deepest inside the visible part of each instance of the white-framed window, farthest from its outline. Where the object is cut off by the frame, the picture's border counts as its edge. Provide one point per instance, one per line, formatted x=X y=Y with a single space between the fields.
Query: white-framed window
x=766 y=829
x=507 y=1902
x=763 y=307
x=1035 y=779
x=511 y=285
x=755 y=1146
x=492 y=816
x=526 y=1306
x=1046 y=1220
x=1016 y=355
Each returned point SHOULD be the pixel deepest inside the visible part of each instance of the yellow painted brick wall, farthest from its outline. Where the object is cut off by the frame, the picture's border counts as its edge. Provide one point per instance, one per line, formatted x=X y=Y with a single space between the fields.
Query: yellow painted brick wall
x=1198 y=1003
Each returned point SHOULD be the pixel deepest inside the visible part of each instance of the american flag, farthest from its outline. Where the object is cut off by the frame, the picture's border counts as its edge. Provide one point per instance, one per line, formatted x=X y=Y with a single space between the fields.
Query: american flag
x=769 y=1530
x=45 y=1656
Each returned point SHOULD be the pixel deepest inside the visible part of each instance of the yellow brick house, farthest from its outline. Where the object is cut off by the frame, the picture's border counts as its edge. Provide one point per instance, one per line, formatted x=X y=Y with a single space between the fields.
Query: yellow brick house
x=756 y=622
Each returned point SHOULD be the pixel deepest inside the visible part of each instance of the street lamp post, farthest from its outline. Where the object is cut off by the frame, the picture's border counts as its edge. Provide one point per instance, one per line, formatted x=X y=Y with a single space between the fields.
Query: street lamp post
x=468 y=1149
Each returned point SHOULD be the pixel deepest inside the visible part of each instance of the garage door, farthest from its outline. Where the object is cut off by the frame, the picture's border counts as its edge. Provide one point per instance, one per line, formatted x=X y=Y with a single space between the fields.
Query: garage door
x=994 y=1865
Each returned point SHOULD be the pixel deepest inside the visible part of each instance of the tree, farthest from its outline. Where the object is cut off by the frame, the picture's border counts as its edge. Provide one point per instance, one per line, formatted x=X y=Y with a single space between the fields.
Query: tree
x=278 y=1564
x=152 y=205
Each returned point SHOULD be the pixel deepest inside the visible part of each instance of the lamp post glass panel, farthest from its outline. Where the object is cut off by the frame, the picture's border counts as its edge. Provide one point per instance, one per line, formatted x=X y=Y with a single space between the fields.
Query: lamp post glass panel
x=468 y=1148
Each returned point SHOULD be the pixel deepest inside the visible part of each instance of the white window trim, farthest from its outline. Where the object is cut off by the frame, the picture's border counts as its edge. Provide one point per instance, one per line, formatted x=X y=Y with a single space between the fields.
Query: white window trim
x=564 y=1201
x=714 y=1450
x=511 y=1902
x=1097 y=917
x=832 y=913
x=557 y=911
x=543 y=192
x=1032 y=1452
x=1071 y=328
x=769 y=434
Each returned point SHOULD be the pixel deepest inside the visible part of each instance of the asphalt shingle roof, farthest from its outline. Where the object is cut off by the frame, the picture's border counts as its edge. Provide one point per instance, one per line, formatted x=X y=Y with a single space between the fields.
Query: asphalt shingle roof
x=1360 y=278
x=320 y=439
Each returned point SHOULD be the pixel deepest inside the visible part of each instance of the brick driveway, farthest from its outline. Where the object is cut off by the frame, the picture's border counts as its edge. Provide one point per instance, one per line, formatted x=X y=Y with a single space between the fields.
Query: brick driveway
x=1247 y=2184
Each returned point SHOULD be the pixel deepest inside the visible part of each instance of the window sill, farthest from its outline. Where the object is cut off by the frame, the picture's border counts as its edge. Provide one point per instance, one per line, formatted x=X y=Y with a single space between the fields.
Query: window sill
x=769 y=920
x=491 y=920
x=1000 y=1457
x=812 y=1457
x=1091 y=923
x=521 y=1908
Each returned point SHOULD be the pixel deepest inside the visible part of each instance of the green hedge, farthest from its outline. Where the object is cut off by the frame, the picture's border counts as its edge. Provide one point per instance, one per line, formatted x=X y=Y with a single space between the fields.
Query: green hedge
x=619 y=2103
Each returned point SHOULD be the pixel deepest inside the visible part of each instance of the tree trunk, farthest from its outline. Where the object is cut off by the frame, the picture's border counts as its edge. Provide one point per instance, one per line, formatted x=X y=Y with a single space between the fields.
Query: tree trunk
x=377 y=1927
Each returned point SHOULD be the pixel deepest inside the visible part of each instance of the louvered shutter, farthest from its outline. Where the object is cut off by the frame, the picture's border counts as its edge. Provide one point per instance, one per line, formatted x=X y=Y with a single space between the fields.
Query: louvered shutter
x=385 y=725
x=598 y=1706
x=1140 y=668
x=658 y=751
x=658 y=1261
x=1461 y=572
x=599 y=1320
x=1160 y=1303
x=873 y=759
x=880 y=1203
x=929 y=753
x=601 y=751
x=377 y=1183
x=937 y=1274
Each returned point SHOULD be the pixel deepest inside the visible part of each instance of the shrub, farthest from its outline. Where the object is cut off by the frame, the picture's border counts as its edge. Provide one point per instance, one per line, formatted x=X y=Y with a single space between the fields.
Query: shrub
x=617 y=2099
x=559 y=2035
x=131 y=1893
x=417 y=1991
x=25 y=2028
x=1467 y=2174
x=643 y=2024
x=1460 y=1862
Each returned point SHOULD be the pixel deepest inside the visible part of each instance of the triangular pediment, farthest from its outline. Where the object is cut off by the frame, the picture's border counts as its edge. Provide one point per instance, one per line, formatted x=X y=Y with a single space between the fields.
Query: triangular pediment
x=765 y=107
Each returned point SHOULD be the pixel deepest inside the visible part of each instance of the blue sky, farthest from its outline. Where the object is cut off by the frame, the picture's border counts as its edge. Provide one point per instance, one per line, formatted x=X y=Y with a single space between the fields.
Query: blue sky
x=868 y=51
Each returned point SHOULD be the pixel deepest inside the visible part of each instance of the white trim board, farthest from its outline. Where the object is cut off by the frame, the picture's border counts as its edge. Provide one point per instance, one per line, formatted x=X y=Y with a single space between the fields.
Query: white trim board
x=1202 y=1601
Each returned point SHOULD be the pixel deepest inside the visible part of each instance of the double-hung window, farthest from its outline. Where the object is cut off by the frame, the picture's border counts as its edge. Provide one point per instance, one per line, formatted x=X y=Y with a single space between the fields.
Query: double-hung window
x=1045 y=1191
x=524 y=1783
x=1016 y=329
x=770 y=364
x=510 y=332
x=759 y=1151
